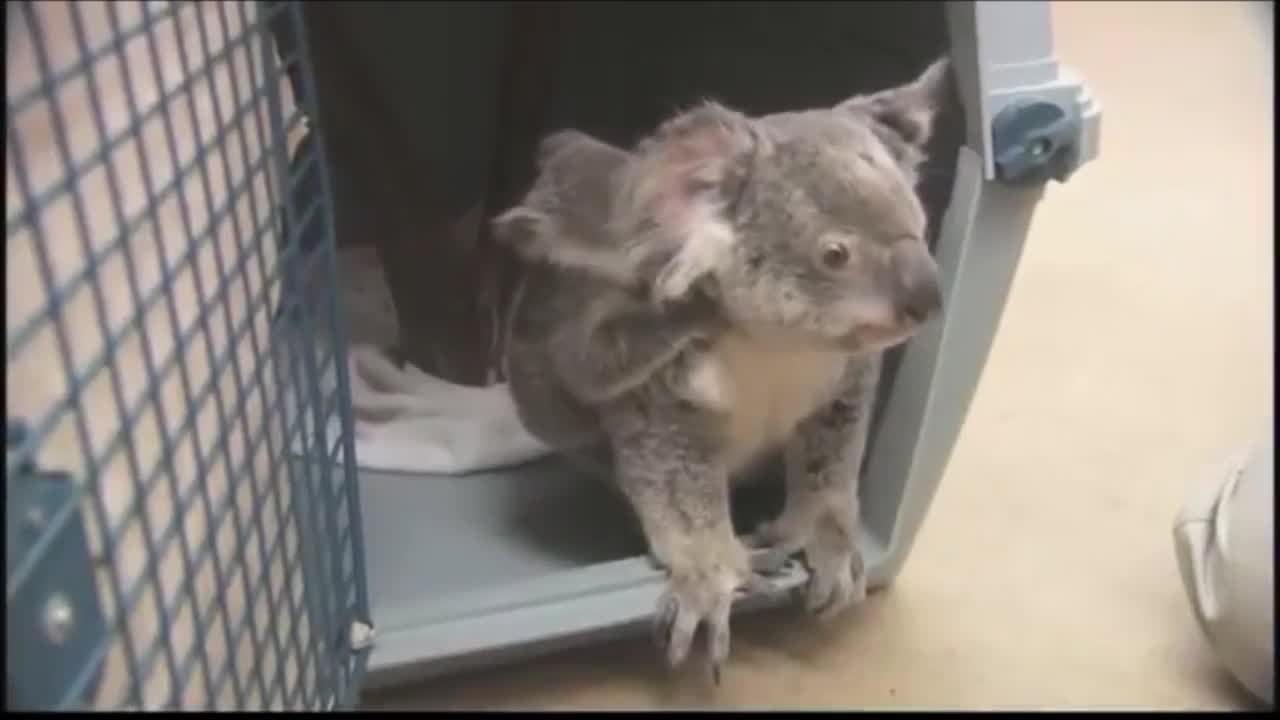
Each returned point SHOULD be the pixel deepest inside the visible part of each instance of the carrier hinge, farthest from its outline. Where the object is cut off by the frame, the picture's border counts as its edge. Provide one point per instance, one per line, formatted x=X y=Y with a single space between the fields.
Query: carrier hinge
x=56 y=625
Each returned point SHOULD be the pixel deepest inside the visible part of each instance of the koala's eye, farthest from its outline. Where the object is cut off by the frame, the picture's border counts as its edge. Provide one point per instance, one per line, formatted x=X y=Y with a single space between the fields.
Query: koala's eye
x=835 y=256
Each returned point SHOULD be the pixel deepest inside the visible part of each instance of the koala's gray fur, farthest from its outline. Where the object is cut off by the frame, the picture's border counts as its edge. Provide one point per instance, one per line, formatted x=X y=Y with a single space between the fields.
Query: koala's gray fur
x=565 y=218
x=725 y=288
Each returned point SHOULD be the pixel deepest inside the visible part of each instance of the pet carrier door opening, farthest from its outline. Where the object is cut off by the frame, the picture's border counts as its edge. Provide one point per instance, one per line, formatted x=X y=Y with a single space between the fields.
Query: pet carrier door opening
x=481 y=547
x=431 y=114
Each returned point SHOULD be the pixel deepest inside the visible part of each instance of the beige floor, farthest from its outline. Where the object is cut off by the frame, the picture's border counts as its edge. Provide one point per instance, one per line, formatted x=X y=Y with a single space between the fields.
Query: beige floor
x=1136 y=347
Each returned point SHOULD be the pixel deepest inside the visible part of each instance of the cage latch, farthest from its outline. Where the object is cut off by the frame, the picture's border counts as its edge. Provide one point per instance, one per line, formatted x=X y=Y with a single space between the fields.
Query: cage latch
x=55 y=623
x=1034 y=140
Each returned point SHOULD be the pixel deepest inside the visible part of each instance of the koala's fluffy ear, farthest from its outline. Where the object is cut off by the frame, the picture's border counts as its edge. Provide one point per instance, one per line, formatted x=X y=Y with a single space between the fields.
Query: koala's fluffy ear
x=679 y=183
x=908 y=110
x=563 y=217
x=569 y=158
x=684 y=168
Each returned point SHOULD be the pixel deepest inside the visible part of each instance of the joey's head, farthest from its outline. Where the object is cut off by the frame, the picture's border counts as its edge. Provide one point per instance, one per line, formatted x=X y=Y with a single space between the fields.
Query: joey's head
x=804 y=224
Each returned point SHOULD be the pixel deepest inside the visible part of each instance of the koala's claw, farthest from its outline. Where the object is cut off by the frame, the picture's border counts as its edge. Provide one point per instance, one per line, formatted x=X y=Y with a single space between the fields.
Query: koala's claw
x=690 y=601
x=837 y=580
x=663 y=621
x=676 y=623
x=837 y=574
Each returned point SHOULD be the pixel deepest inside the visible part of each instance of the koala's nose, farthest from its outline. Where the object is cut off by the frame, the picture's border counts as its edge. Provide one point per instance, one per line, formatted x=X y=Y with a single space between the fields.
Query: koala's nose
x=922 y=301
x=919 y=292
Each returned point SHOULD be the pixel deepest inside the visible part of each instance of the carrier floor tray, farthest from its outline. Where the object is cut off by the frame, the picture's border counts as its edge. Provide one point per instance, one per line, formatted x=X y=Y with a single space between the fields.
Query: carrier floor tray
x=483 y=568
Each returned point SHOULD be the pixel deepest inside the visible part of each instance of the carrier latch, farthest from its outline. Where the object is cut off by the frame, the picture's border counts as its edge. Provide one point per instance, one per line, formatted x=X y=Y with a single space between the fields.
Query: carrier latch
x=1034 y=140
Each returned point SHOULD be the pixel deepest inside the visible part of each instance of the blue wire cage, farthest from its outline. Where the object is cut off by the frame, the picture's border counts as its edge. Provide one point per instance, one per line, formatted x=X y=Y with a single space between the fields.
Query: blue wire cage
x=182 y=524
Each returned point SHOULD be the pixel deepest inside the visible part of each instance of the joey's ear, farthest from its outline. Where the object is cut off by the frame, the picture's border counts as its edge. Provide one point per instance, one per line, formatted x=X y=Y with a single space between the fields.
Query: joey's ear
x=519 y=228
x=687 y=171
x=571 y=157
x=563 y=217
x=569 y=193
x=576 y=179
x=908 y=110
x=568 y=143
x=559 y=141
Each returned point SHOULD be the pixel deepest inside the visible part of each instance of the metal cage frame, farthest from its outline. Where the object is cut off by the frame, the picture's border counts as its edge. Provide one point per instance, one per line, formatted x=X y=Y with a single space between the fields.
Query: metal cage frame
x=183 y=525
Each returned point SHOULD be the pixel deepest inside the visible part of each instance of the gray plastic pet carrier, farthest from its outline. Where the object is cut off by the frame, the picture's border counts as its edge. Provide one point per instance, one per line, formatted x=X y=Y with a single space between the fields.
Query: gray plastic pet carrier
x=187 y=525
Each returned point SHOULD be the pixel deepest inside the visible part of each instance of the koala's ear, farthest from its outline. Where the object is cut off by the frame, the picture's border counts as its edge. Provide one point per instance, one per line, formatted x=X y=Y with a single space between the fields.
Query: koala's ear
x=567 y=197
x=558 y=142
x=908 y=110
x=566 y=143
x=571 y=157
x=683 y=174
x=678 y=185
x=519 y=228
x=562 y=219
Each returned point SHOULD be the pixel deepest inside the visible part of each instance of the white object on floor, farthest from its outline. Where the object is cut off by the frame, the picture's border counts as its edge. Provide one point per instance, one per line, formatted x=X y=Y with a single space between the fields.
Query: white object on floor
x=1224 y=541
x=406 y=420
x=409 y=421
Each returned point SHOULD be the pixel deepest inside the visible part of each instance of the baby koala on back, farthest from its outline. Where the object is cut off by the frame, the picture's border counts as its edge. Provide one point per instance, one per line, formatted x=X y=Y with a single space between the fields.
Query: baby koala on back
x=723 y=289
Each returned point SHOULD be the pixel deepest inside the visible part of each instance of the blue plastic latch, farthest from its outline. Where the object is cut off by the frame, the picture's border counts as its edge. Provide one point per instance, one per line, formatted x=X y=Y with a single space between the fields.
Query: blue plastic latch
x=1034 y=140
x=55 y=623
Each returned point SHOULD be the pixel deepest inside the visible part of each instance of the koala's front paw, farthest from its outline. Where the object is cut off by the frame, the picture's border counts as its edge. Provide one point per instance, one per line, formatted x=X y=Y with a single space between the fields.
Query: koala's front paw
x=826 y=534
x=701 y=587
x=837 y=572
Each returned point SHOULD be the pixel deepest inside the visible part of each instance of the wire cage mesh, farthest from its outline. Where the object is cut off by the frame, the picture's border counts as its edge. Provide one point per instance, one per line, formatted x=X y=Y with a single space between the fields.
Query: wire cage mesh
x=182 y=525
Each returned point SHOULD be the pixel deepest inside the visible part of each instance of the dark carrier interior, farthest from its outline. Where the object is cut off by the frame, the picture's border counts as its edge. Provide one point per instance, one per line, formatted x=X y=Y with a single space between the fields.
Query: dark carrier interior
x=431 y=113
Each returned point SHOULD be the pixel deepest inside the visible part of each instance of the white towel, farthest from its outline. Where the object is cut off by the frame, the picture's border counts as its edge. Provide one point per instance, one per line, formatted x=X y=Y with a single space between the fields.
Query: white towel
x=409 y=421
x=406 y=420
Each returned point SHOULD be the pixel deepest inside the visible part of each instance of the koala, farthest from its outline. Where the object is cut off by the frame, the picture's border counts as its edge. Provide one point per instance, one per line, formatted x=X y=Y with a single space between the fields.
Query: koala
x=617 y=330
x=565 y=220
x=724 y=289
x=564 y=217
